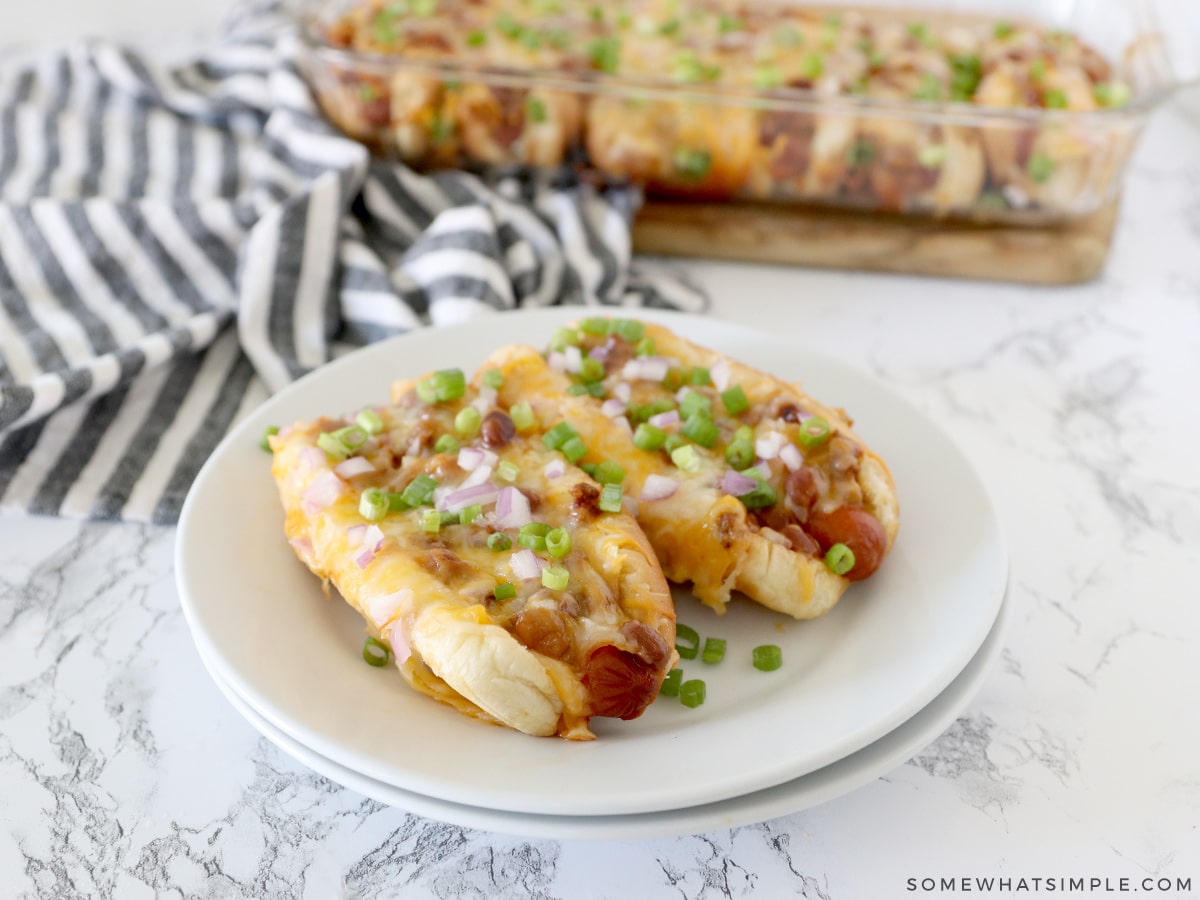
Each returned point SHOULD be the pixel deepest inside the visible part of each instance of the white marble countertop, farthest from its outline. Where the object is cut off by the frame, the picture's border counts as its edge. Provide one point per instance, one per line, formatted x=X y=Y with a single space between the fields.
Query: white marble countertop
x=124 y=772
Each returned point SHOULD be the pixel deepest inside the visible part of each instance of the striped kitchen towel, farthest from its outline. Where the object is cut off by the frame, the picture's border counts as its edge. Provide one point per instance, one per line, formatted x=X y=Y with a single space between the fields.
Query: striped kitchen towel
x=175 y=244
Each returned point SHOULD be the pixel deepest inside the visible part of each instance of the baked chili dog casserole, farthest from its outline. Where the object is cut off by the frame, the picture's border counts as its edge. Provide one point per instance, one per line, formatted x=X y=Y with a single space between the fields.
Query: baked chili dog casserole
x=942 y=114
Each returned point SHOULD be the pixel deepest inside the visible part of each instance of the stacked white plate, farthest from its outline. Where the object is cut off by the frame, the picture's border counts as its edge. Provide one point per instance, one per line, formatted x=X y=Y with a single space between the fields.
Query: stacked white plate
x=861 y=689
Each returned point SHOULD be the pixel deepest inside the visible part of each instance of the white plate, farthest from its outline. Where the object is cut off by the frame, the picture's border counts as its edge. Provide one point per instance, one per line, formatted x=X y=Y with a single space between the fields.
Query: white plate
x=891 y=646
x=834 y=780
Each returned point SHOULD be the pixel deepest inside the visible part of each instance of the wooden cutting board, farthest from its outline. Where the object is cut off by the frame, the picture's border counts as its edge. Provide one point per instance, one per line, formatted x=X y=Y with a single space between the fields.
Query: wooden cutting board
x=1064 y=254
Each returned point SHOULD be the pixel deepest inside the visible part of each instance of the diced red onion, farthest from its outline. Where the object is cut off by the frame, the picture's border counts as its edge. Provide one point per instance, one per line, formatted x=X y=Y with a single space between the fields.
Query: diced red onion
x=354 y=534
x=681 y=393
x=285 y=431
x=483 y=494
x=372 y=540
x=525 y=565
x=303 y=547
x=469 y=458
x=322 y=491
x=485 y=401
x=574 y=359
x=556 y=361
x=791 y=456
x=440 y=493
x=623 y=423
x=623 y=391
x=313 y=457
x=630 y=504
x=512 y=508
x=612 y=407
x=600 y=354
x=646 y=368
x=383 y=609
x=665 y=419
x=737 y=484
x=720 y=375
x=769 y=445
x=658 y=487
x=764 y=468
x=355 y=465
x=481 y=475
x=556 y=468
x=398 y=638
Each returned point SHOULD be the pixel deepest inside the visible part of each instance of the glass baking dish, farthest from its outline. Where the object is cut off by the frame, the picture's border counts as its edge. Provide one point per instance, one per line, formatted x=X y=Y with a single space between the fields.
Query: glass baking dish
x=917 y=145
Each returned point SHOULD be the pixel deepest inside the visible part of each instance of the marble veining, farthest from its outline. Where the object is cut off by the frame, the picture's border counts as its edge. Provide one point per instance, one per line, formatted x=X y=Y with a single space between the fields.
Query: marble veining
x=124 y=773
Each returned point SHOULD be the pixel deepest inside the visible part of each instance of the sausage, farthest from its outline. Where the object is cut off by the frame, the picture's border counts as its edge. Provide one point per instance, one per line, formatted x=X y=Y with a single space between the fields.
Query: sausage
x=621 y=684
x=858 y=530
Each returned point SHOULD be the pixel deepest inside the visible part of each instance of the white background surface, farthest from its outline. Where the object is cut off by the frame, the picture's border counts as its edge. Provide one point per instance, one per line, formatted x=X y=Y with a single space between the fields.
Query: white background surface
x=124 y=773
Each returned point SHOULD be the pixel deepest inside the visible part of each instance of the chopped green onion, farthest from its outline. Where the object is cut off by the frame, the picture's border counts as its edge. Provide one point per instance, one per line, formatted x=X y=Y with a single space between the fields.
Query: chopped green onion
x=628 y=329
x=448 y=384
x=573 y=449
x=767 y=658
x=930 y=88
x=766 y=76
x=740 y=454
x=744 y=433
x=727 y=24
x=431 y=521
x=424 y=8
x=505 y=591
x=839 y=559
x=690 y=637
x=449 y=518
x=559 y=435
x=596 y=326
x=966 y=71
x=351 y=437
x=700 y=429
x=860 y=153
x=476 y=39
x=591 y=369
x=691 y=693
x=447 y=443
x=595 y=389
x=522 y=415
x=470 y=514
x=535 y=109
x=558 y=542
x=499 y=542
x=788 y=36
x=508 y=471
x=686 y=458
x=493 y=378
x=467 y=421
x=373 y=504
x=714 y=650
x=556 y=578
x=762 y=495
x=610 y=498
x=376 y=653
x=675 y=378
x=670 y=685
x=1040 y=167
x=332 y=446
x=812 y=66
x=1003 y=30
x=1112 y=94
x=369 y=421
x=919 y=30
x=605 y=53
x=932 y=156
x=735 y=400
x=691 y=163
x=1055 y=99
x=813 y=432
x=642 y=413
x=533 y=536
x=609 y=472
x=673 y=443
x=265 y=443
x=649 y=437
x=564 y=338
x=396 y=502
x=645 y=347
x=701 y=375
x=1037 y=69
x=419 y=491
x=589 y=468
x=694 y=402
x=688 y=67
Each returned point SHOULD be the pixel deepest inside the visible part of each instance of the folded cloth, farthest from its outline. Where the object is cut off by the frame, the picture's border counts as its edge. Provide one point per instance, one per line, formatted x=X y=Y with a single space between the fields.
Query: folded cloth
x=175 y=244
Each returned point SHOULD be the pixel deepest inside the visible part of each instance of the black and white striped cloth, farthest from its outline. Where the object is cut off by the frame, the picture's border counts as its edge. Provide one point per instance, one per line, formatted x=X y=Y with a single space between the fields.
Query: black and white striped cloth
x=175 y=244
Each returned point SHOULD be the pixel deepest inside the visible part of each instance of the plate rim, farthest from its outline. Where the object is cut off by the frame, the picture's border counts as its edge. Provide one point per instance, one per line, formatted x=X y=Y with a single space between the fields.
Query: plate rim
x=765 y=777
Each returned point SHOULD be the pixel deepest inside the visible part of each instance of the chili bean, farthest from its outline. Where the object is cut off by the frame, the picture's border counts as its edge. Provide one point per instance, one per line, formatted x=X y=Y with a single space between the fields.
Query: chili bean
x=497 y=429
x=543 y=630
x=802 y=488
